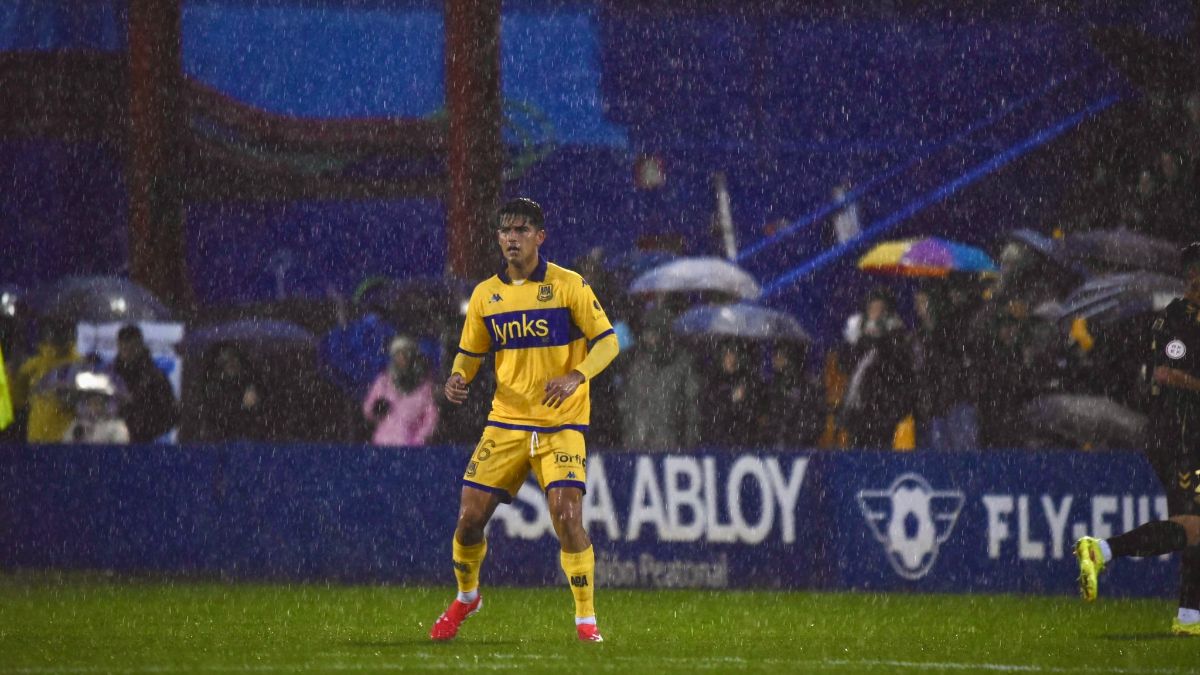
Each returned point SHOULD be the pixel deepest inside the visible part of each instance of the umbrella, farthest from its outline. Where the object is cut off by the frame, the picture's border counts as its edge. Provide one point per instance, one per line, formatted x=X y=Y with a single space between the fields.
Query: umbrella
x=634 y=263
x=248 y=333
x=98 y=300
x=1121 y=250
x=741 y=320
x=421 y=305
x=1083 y=419
x=927 y=257
x=702 y=273
x=1113 y=297
x=1047 y=248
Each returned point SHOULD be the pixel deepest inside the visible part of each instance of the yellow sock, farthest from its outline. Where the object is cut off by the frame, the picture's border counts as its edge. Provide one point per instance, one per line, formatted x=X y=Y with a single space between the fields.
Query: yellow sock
x=467 y=560
x=581 y=572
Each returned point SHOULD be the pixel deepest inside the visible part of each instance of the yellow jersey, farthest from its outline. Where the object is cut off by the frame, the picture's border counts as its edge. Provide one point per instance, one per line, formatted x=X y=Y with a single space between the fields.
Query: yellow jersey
x=536 y=330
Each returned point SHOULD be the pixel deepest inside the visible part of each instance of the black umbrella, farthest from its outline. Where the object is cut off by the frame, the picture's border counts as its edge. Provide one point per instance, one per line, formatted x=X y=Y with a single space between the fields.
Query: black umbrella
x=98 y=300
x=1082 y=420
x=1121 y=250
x=248 y=334
x=423 y=305
x=631 y=264
x=1047 y=249
x=1113 y=297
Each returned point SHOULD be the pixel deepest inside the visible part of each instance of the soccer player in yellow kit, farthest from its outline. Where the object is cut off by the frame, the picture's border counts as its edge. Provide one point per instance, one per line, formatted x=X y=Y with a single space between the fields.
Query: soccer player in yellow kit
x=549 y=337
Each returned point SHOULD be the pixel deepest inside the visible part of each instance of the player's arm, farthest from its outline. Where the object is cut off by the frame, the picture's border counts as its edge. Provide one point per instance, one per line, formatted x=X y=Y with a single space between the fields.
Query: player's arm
x=601 y=354
x=472 y=347
x=1175 y=379
x=590 y=317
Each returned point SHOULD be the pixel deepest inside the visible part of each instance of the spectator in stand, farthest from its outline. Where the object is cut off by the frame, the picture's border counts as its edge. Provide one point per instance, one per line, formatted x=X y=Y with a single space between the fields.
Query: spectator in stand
x=792 y=416
x=232 y=406
x=1177 y=198
x=96 y=420
x=1004 y=376
x=42 y=381
x=878 y=395
x=150 y=409
x=944 y=414
x=730 y=401
x=846 y=222
x=400 y=402
x=659 y=377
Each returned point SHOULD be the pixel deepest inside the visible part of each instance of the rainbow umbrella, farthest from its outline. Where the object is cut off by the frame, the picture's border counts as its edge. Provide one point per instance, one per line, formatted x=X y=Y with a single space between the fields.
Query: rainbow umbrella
x=926 y=257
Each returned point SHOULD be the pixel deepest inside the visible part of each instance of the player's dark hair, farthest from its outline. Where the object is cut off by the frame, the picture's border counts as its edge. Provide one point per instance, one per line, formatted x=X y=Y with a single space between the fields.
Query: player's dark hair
x=523 y=206
x=1189 y=255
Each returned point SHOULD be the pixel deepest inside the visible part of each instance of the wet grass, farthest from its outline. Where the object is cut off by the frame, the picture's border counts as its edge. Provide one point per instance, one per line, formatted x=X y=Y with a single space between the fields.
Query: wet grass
x=94 y=624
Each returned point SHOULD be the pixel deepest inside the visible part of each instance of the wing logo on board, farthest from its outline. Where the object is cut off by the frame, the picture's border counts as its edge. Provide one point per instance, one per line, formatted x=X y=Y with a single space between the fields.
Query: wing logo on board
x=912 y=520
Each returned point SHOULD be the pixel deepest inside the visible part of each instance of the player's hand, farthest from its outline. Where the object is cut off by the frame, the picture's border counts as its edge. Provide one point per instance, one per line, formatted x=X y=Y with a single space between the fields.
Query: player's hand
x=456 y=389
x=559 y=388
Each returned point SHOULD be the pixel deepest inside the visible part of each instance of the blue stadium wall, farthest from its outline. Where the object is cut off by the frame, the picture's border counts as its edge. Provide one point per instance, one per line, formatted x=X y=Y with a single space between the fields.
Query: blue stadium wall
x=998 y=522
x=960 y=124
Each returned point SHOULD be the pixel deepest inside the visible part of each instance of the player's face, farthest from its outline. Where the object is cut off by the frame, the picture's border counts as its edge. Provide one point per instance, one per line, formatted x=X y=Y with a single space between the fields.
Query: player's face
x=519 y=240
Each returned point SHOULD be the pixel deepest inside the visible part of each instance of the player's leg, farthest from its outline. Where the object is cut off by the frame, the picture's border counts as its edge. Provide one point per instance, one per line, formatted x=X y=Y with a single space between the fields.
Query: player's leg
x=469 y=549
x=494 y=474
x=560 y=471
x=576 y=556
x=1154 y=538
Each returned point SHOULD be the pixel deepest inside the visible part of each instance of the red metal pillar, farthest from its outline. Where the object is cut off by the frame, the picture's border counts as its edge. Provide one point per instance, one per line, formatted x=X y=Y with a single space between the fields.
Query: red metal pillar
x=475 y=153
x=156 y=124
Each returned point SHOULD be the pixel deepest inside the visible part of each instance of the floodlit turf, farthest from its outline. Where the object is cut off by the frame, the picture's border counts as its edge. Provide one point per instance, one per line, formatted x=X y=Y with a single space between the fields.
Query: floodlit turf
x=73 y=624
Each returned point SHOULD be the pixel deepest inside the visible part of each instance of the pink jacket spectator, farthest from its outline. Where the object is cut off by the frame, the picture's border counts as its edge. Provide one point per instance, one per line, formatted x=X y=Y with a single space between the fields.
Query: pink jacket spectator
x=411 y=417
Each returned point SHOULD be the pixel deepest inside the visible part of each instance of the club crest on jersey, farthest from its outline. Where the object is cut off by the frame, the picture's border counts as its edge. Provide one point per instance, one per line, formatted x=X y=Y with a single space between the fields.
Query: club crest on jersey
x=1176 y=350
x=545 y=293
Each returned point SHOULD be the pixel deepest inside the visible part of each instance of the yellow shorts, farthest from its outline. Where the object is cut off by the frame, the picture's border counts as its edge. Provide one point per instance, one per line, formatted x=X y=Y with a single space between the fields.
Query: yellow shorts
x=502 y=460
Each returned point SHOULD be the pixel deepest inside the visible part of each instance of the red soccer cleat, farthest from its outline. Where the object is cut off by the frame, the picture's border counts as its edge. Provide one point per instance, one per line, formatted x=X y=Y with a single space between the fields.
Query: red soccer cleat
x=588 y=632
x=446 y=626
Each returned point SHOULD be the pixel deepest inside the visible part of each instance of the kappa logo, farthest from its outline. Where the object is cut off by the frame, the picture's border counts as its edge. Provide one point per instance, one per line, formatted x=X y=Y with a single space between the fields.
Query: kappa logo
x=545 y=293
x=495 y=298
x=912 y=520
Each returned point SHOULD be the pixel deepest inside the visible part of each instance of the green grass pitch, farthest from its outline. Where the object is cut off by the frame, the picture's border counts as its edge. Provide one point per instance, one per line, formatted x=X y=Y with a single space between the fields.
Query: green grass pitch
x=90 y=624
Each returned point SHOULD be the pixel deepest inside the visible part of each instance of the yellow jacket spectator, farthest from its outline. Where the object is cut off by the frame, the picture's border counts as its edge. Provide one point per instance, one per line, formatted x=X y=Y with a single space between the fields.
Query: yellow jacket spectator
x=38 y=383
x=6 y=410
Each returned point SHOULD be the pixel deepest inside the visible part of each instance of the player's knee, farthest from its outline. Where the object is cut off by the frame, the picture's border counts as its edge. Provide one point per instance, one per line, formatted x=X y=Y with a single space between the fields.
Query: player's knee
x=470 y=526
x=566 y=518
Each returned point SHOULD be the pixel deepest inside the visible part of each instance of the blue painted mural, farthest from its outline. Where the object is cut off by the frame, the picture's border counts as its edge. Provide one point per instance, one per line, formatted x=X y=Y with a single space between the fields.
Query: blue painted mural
x=941 y=122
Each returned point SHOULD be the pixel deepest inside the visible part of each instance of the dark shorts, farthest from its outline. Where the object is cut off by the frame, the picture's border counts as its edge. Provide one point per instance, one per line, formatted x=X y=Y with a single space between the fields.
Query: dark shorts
x=1176 y=461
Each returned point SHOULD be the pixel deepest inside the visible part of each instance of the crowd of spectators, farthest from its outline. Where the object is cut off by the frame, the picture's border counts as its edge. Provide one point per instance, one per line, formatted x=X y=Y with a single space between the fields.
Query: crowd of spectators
x=950 y=364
